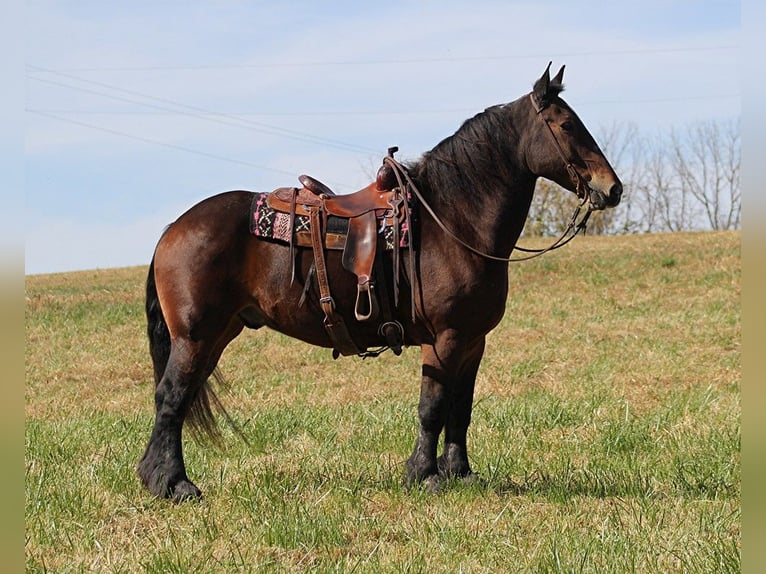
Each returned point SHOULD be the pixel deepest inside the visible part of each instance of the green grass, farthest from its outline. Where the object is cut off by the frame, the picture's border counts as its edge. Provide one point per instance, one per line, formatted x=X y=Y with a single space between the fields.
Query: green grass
x=606 y=428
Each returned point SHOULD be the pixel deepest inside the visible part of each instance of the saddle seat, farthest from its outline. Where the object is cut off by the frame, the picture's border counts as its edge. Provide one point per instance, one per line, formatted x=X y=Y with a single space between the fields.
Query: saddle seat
x=301 y=200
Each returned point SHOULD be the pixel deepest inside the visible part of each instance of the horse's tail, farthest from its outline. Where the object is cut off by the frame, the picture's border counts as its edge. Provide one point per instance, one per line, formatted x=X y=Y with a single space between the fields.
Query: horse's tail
x=156 y=328
x=200 y=417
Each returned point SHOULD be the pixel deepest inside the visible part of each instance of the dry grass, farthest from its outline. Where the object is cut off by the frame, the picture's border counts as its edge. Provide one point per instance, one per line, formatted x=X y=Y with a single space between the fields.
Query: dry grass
x=606 y=426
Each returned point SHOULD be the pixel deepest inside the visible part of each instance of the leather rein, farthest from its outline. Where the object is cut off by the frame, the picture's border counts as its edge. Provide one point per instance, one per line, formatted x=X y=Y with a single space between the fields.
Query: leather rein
x=573 y=228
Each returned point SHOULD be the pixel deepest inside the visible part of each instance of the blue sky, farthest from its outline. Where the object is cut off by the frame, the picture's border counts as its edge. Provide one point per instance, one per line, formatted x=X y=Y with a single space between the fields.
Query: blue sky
x=136 y=111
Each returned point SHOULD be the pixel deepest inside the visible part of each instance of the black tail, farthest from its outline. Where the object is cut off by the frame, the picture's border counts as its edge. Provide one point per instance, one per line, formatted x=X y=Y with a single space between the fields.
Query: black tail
x=200 y=416
x=156 y=328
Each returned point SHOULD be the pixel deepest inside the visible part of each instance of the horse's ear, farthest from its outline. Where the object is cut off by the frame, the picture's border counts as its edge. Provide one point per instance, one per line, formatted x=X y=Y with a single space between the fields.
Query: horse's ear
x=540 y=89
x=558 y=80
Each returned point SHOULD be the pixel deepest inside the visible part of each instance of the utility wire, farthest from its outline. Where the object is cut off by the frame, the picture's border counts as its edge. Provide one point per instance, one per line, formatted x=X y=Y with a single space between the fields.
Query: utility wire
x=393 y=112
x=407 y=61
x=161 y=143
x=236 y=119
x=196 y=112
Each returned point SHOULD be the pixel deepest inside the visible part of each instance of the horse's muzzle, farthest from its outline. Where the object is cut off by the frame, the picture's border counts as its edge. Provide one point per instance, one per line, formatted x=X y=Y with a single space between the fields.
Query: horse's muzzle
x=600 y=200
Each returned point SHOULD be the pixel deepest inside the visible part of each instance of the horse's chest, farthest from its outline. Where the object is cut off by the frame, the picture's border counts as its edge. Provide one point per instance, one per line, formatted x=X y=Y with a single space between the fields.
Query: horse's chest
x=476 y=302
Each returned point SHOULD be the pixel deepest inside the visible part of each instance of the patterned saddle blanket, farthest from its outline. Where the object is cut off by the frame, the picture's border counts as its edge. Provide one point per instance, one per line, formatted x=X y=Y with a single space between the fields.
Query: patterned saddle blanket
x=267 y=223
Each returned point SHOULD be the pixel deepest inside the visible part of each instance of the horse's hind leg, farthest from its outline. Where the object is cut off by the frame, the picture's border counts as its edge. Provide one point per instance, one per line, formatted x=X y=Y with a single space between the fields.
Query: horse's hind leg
x=162 y=467
x=183 y=385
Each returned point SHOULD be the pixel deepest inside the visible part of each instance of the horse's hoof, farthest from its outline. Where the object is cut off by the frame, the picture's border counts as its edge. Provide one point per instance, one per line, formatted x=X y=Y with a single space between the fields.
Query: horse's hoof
x=436 y=483
x=474 y=479
x=185 y=491
x=433 y=483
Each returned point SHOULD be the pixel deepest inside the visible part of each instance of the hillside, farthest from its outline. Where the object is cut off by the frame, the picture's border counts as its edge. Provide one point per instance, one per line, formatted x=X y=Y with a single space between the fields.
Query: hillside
x=606 y=427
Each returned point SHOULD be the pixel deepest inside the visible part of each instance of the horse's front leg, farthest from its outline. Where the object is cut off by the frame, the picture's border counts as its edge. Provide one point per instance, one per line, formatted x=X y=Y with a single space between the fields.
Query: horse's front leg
x=454 y=459
x=449 y=375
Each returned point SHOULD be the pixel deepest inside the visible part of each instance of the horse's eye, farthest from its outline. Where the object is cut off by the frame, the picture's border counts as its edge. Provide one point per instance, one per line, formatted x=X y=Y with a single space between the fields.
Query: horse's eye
x=567 y=126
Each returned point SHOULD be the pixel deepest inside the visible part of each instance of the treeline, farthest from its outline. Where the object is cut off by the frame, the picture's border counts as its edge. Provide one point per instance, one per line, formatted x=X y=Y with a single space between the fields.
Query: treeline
x=679 y=180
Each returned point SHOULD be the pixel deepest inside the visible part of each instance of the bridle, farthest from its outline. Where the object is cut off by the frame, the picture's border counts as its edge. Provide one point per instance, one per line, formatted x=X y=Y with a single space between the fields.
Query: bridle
x=574 y=227
x=581 y=186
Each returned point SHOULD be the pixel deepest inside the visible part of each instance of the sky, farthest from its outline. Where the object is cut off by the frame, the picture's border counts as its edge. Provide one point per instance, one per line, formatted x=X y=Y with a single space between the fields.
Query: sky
x=135 y=111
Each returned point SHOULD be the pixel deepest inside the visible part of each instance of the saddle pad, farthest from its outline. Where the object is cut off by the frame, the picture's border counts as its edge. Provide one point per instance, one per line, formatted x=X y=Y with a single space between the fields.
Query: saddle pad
x=266 y=223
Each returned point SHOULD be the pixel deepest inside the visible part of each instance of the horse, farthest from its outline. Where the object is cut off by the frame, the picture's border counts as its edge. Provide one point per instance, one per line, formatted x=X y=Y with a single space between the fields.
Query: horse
x=210 y=278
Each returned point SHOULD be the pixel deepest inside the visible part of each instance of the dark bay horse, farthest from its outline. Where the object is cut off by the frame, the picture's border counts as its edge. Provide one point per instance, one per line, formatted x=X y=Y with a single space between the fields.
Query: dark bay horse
x=210 y=278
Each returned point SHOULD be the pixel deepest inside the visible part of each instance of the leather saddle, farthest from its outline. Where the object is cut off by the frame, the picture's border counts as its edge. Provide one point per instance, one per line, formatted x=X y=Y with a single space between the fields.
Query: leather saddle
x=381 y=203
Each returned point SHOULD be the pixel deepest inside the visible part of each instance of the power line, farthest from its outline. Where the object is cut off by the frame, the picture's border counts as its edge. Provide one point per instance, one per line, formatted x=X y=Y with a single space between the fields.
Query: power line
x=236 y=119
x=244 y=123
x=305 y=113
x=164 y=144
x=432 y=111
x=660 y=100
x=196 y=112
x=405 y=61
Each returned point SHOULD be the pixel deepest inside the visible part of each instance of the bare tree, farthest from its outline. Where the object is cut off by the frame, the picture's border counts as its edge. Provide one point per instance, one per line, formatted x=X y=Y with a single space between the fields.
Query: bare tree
x=665 y=205
x=673 y=181
x=625 y=148
x=707 y=163
x=551 y=209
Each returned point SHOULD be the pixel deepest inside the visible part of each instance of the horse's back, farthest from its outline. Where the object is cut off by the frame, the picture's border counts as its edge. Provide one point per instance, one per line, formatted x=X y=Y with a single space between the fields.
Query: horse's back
x=212 y=232
x=228 y=209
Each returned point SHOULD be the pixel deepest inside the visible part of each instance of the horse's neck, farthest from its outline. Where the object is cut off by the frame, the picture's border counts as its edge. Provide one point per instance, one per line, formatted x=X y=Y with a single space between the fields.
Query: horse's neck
x=490 y=219
x=477 y=180
x=492 y=229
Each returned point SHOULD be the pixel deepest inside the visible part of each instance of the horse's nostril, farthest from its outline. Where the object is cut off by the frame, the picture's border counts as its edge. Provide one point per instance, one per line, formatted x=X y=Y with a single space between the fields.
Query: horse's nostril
x=616 y=191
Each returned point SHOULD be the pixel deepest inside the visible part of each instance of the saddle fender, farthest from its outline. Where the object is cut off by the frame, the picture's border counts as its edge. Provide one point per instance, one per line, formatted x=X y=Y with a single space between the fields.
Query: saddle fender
x=359 y=258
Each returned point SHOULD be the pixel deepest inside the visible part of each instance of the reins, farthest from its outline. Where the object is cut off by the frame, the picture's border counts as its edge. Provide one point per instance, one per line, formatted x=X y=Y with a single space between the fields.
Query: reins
x=573 y=228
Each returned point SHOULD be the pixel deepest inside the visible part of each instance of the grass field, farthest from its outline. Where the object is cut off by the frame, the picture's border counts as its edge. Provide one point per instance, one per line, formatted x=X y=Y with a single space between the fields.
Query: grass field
x=606 y=426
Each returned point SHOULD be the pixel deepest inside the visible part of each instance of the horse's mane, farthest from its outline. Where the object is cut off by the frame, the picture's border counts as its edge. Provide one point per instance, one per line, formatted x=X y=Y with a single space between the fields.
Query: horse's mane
x=480 y=155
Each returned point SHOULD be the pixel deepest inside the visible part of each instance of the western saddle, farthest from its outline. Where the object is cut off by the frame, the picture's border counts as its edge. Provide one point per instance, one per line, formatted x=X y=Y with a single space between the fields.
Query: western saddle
x=368 y=211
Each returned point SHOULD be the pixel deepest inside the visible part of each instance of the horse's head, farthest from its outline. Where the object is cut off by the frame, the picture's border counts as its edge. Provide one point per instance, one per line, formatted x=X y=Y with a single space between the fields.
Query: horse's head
x=561 y=148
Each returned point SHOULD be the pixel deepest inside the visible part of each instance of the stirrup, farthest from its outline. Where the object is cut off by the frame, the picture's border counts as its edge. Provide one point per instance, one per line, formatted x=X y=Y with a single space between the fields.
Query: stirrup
x=366 y=308
x=394 y=334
